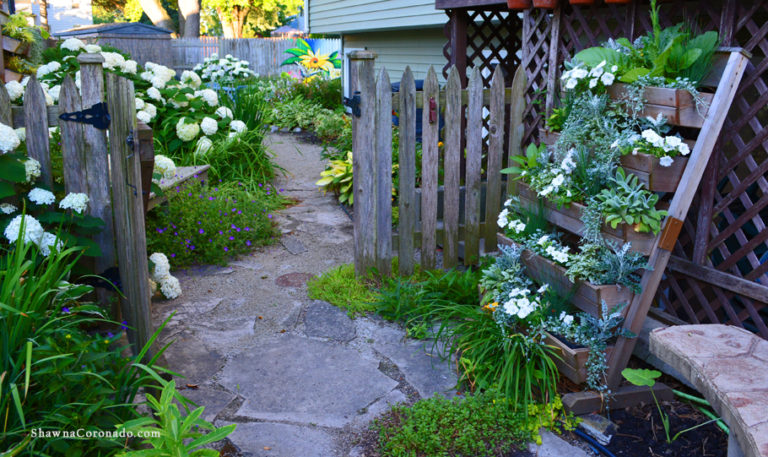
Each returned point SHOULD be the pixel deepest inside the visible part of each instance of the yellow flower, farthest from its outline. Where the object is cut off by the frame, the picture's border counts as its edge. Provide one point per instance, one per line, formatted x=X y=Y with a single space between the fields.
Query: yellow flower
x=491 y=306
x=312 y=61
x=68 y=336
x=439 y=144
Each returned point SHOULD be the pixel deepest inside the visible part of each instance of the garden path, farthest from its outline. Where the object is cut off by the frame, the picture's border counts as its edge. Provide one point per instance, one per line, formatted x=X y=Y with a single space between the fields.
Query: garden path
x=297 y=376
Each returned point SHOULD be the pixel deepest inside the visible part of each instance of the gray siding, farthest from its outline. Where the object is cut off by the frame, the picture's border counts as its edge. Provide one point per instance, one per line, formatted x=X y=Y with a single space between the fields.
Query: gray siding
x=415 y=48
x=346 y=16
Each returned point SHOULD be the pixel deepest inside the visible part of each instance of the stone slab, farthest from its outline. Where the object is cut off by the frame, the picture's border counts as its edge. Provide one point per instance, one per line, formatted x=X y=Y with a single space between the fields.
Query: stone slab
x=266 y=439
x=192 y=359
x=293 y=244
x=214 y=400
x=424 y=371
x=554 y=446
x=323 y=320
x=297 y=379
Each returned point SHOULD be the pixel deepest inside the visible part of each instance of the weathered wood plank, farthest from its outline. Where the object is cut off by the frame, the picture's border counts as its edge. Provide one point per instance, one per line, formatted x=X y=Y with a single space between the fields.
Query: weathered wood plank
x=407 y=178
x=429 y=167
x=72 y=145
x=383 y=178
x=145 y=139
x=452 y=167
x=516 y=125
x=727 y=281
x=17 y=115
x=36 y=125
x=681 y=203
x=5 y=107
x=441 y=99
x=495 y=147
x=97 y=167
x=474 y=165
x=591 y=401
x=363 y=163
x=129 y=213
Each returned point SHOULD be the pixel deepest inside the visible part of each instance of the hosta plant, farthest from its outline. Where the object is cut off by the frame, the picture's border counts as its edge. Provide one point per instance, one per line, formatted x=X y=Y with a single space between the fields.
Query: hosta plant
x=337 y=178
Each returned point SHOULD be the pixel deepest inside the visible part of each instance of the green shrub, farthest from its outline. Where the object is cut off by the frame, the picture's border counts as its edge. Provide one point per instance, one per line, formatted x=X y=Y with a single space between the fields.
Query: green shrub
x=339 y=287
x=324 y=92
x=331 y=125
x=206 y=224
x=483 y=424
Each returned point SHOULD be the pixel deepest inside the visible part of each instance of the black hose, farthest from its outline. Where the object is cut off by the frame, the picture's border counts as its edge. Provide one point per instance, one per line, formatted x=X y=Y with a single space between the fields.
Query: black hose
x=593 y=443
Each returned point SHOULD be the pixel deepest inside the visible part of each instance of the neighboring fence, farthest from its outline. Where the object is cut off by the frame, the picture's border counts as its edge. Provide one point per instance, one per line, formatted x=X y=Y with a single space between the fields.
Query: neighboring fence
x=107 y=169
x=460 y=218
x=264 y=54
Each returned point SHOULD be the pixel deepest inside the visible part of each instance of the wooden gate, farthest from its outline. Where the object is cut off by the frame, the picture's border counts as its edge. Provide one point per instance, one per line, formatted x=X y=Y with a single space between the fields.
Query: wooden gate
x=106 y=169
x=458 y=211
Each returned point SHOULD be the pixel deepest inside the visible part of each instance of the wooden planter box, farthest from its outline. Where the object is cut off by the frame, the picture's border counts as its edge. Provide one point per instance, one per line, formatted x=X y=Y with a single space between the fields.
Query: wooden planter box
x=586 y=296
x=15 y=46
x=676 y=105
x=12 y=75
x=569 y=219
x=573 y=362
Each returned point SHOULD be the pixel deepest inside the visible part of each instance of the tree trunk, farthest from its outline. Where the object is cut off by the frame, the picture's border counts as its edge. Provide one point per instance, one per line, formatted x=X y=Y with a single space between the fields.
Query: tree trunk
x=157 y=14
x=189 y=12
x=234 y=28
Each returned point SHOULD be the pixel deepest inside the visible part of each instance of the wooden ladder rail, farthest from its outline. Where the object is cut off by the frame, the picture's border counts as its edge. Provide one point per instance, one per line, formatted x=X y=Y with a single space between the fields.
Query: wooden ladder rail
x=681 y=203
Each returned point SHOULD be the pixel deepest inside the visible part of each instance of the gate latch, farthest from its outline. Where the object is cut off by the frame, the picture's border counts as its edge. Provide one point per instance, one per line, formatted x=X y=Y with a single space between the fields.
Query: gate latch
x=97 y=116
x=354 y=103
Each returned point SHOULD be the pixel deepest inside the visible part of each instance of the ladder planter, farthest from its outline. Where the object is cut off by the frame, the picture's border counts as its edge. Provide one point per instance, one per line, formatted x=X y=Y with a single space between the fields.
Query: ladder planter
x=573 y=361
x=676 y=105
x=569 y=218
x=587 y=297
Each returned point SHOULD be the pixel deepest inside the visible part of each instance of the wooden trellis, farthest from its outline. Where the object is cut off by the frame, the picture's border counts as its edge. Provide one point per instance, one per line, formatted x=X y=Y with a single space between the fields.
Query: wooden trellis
x=719 y=268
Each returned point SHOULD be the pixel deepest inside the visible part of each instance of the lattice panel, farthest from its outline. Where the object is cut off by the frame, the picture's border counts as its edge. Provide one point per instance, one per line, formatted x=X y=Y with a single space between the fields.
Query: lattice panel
x=492 y=37
x=537 y=27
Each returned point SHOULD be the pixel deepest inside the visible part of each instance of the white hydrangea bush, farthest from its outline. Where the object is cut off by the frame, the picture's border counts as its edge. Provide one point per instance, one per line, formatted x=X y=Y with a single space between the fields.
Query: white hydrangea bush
x=160 y=276
x=224 y=70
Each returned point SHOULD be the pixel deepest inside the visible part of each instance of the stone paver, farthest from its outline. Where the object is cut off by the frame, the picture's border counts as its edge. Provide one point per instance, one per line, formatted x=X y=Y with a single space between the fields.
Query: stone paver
x=297 y=376
x=728 y=365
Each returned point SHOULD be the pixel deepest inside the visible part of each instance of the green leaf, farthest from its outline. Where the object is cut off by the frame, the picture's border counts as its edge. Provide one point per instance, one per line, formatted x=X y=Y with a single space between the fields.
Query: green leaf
x=6 y=189
x=634 y=74
x=641 y=376
x=592 y=57
x=290 y=60
x=12 y=169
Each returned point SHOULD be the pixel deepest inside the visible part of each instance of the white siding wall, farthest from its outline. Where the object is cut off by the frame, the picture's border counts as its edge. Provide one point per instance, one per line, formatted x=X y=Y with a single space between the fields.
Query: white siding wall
x=415 y=48
x=346 y=16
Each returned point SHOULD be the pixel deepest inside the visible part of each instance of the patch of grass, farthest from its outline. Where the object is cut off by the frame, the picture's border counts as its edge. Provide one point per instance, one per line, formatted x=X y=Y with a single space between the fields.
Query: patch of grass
x=339 y=287
x=483 y=424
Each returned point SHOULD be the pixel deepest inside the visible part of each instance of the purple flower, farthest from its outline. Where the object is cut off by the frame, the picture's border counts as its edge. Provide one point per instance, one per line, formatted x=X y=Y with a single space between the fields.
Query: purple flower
x=234 y=209
x=159 y=230
x=259 y=184
x=231 y=238
x=210 y=240
x=124 y=326
x=110 y=335
x=238 y=230
x=226 y=249
x=65 y=310
x=211 y=198
x=173 y=255
x=269 y=216
x=220 y=232
x=201 y=231
x=248 y=242
x=239 y=212
x=247 y=229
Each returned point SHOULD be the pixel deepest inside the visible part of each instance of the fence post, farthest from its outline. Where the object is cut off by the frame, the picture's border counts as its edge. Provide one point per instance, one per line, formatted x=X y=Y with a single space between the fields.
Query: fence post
x=147 y=157
x=383 y=174
x=6 y=117
x=72 y=147
x=451 y=192
x=429 y=169
x=363 y=163
x=97 y=169
x=129 y=211
x=36 y=126
x=474 y=168
x=407 y=158
x=495 y=147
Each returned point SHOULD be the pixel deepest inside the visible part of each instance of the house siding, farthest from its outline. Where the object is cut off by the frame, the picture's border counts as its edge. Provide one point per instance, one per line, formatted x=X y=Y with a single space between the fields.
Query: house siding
x=348 y=16
x=418 y=49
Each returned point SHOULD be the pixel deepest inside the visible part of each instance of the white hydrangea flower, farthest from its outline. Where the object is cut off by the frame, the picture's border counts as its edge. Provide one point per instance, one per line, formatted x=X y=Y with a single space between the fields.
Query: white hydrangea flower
x=170 y=287
x=158 y=82
x=238 y=126
x=9 y=140
x=162 y=266
x=72 y=44
x=33 y=231
x=154 y=94
x=143 y=116
x=210 y=97
x=151 y=109
x=7 y=208
x=112 y=60
x=223 y=112
x=32 y=169
x=92 y=48
x=204 y=145
x=77 y=202
x=54 y=92
x=139 y=104
x=191 y=79
x=40 y=196
x=147 y=75
x=49 y=242
x=187 y=131
x=209 y=126
x=130 y=67
x=666 y=161
x=15 y=90
x=165 y=166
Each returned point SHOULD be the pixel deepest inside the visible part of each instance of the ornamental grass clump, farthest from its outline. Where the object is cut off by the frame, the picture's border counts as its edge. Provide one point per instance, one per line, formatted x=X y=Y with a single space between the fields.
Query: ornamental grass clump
x=209 y=223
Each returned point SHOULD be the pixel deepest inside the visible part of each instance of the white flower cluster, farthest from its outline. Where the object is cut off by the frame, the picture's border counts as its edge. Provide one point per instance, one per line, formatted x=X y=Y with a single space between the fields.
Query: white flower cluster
x=50 y=67
x=223 y=70
x=505 y=222
x=224 y=112
x=161 y=274
x=572 y=77
x=566 y=319
x=237 y=127
x=209 y=95
x=77 y=202
x=7 y=208
x=32 y=169
x=15 y=90
x=72 y=44
x=40 y=196
x=33 y=233
x=157 y=75
x=187 y=131
x=9 y=140
x=671 y=145
x=204 y=144
x=549 y=246
x=520 y=303
x=209 y=126
x=191 y=79
x=164 y=166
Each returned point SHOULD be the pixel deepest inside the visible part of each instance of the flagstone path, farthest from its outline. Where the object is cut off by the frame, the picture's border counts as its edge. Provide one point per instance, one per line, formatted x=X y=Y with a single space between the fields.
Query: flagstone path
x=297 y=376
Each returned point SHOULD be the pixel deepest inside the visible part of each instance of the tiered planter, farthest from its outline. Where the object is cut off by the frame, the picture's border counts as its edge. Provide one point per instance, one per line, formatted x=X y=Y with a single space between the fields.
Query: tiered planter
x=645 y=166
x=676 y=105
x=572 y=362
x=587 y=297
x=569 y=219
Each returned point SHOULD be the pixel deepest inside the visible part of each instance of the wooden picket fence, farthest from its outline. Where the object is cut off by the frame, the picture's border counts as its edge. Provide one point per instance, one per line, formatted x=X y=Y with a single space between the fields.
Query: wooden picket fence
x=107 y=169
x=460 y=218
